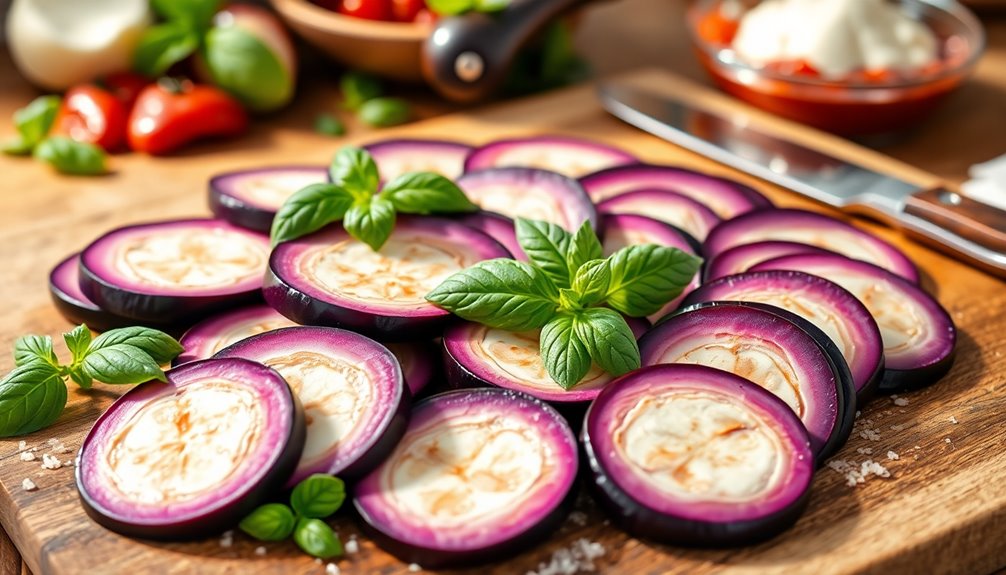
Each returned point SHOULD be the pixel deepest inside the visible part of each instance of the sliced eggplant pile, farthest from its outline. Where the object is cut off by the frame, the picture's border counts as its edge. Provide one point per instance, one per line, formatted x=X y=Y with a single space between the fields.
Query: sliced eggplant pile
x=692 y=455
x=419 y=361
x=251 y=198
x=499 y=228
x=193 y=456
x=329 y=278
x=766 y=349
x=397 y=157
x=352 y=389
x=209 y=336
x=479 y=475
x=565 y=155
x=530 y=193
x=741 y=258
x=825 y=304
x=814 y=229
x=679 y=210
x=172 y=271
x=919 y=336
x=726 y=198
x=64 y=287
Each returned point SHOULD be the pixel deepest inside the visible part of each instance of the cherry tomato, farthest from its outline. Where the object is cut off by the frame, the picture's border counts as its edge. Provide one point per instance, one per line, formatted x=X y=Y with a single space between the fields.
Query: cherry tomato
x=366 y=9
x=126 y=86
x=717 y=29
x=93 y=115
x=172 y=113
x=406 y=10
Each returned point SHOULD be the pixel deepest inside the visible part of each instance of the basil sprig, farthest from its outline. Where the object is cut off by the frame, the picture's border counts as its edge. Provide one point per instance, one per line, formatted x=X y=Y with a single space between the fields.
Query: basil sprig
x=312 y=500
x=33 y=123
x=178 y=37
x=33 y=395
x=353 y=197
x=573 y=294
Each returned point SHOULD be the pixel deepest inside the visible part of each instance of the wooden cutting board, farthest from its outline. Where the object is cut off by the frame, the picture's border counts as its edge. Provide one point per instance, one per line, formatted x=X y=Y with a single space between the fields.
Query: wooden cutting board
x=942 y=510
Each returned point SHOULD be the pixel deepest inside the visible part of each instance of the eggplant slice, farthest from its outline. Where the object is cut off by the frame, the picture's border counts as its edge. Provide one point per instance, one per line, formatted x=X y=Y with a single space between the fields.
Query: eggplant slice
x=251 y=198
x=397 y=157
x=565 y=155
x=419 y=362
x=740 y=259
x=209 y=336
x=676 y=209
x=530 y=193
x=499 y=228
x=77 y=308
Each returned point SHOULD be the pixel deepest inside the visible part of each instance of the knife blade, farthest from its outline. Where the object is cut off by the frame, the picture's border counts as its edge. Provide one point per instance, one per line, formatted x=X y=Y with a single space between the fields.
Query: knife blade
x=952 y=222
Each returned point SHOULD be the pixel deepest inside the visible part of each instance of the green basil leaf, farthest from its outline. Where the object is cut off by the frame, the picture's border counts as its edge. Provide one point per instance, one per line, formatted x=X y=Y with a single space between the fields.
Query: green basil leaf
x=371 y=221
x=501 y=293
x=566 y=358
x=357 y=88
x=72 y=157
x=450 y=7
x=162 y=46
x=245 y=66
x=608 y=339
x=34 y=121
x=645 y=277
x=79 y=377
x=545 y=244
x=426 y=193
x=17 y=146
x=591 y=282
x=318 y=496
x=269 y=522
x=32 y=348
x=569 y=300
x=121 y=363
x=197 y=13
x=354 y=169
x=309 y=210
x=77 y=341
x=384 y=112
x=160 y=346
x=329 y=125
x=490 y=5
x=31 y=398
x=317 y=539
x=583 y=247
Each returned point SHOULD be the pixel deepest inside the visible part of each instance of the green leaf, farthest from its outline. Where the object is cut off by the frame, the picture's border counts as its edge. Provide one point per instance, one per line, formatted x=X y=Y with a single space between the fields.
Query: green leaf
x=566 y=358
x=317 y=539
x=329 y=125
x=450 y=7
x=384 y=112
x=608 y=339
x=242 y=64
x=583 y=247
x=357 y=88
x=318 y=496
x=72 y=157
x=77 y=341
x=645 y=277
x=78 y=376
x=309 y=210
x=195 y=13
x=17 y=146
x=162 y=46
x=569 y=300
x=490 y=5
x=501 y=293
x=354 y=169
x=426 y=193
x=121 y=363
x=31 y=398
x=592 y=281
x=545 y=244
x=269 y=522
x=32 y=348
x=160 y=346
x=33 y=123
x=371 y=221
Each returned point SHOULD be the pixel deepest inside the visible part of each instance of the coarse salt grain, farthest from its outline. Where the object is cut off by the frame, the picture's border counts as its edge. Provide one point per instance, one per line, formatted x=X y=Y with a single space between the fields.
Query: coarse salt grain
x=901 y=402
x=27 y=456
x=331 y=569
x=892 y=455
x=352 y=546
x=857 y=473
x=578 y=518
x=28 y=485
x=577 y=557
x=871 y=434
x=864 y=451
x=260 y=551
x=953 y=420
x=50 y=462
x=22 y=445
x=414 y=568
x=897 y=427
x=227 y=539
x=947 y=439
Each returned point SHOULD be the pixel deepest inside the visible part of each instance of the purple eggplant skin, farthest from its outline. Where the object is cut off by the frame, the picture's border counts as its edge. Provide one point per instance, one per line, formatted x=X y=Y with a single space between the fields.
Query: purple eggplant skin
x=231 y=207
x=201 y=340
x=576 y=205
x=727 y=198
x=228 y=515
x=497 y=226
x=486 y=156
x=449 y=152
x=645 y=522
x=419 y=366
x=696 y=218
x=739 y=259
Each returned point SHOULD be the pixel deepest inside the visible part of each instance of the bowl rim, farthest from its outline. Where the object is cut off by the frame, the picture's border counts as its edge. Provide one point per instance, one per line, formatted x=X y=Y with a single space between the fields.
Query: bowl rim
x=948 y=8
x=308 y=14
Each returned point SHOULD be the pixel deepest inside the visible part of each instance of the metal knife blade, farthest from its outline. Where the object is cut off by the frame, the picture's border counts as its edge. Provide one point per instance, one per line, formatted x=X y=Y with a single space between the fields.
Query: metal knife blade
x=955 y=223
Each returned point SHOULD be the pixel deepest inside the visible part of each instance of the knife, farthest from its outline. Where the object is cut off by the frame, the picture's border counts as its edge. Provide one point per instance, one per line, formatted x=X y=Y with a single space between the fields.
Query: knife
x=951 y=222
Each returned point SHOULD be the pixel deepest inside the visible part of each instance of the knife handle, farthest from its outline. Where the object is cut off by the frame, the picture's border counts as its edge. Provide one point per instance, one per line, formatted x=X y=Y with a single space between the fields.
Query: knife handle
x=972 y=220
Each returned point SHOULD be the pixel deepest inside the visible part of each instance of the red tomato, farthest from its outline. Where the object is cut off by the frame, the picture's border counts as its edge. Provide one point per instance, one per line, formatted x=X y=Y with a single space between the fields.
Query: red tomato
x=425 y=16
x=406 y=10
x=91 y=114
x=170 y=114
x=716 y=29
x=126 y=86
x=366 y=9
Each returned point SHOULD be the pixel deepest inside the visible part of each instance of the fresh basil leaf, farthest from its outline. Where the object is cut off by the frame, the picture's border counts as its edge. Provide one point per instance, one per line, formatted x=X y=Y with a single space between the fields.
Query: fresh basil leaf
x=645 y=277
x=318 y=496
x=566 y=358
x=196 y=13
x=309 y=210
x=72 y=157
x=426 y=193
x=545 y=244
x=569 y=300
x=450 y=7
x=371 y=221
x=608 y=339
x=354 y=169
x=384 y=112
x=17 y=146
x=121 y=363
x=31 y=398
x=162 y=46
x=583 y=247
x=77 y=341
x=490 y=5
x=32 y=348
x=317 y=539
x=160 y=346
x=269 y=522
x=78 y=376
x=329 y=125
x=33 y=123
x=591 y=282
x=501 y=293
x=245 y=66
x=357 y=88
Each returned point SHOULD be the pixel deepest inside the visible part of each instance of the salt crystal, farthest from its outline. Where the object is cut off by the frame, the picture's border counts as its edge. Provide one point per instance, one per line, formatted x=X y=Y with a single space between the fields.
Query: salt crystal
x=28 y=485
x=68 y=463
x=50 y=462
x=858 y=413
x=22 y=445
x=947 y=440
x=331 y=569
x=227 y=539
x=892 y=455
x=27 y=456
x=260 y=551
x=864 y=451
x=578 y=518
x=577 y=557
x=871 y=434
x=897 y=427
x=414 y=568
x=953 y=420
x=318 y=560
x=352 y=546
x=901 y=402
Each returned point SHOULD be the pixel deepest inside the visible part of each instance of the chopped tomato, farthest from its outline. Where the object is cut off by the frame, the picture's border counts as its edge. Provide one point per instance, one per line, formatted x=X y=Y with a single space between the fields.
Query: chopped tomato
x=406 y=10
x=717 y=29
x=366 y=9
x=93 y=115
x=172 y=113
